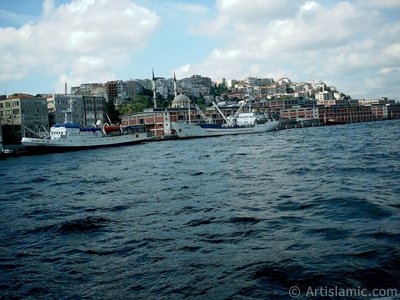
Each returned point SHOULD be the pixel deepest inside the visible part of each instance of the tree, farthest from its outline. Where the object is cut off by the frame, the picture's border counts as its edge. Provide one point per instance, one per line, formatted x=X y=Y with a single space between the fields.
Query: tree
x=141 y=102
x=219 y=90
x=112 y=112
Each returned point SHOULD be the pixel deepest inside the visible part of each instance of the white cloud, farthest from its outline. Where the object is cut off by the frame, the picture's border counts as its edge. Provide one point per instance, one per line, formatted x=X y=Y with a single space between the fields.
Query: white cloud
x=234 y=15
x=343 y=42
x=48 y=6
x=214 y=28
x=382 y=3
x=189 y=7
x=308 y=6
x=182 y=71
x=256 y=9
x=82 y=40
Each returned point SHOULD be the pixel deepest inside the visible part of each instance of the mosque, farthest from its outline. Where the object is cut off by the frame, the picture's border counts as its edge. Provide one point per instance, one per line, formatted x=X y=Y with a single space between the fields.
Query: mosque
x=158 y=120
x=179 y=101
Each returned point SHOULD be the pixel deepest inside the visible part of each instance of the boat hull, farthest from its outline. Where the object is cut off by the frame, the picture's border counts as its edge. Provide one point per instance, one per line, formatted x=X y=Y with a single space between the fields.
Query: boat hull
x=185 y=130
x=34 y=145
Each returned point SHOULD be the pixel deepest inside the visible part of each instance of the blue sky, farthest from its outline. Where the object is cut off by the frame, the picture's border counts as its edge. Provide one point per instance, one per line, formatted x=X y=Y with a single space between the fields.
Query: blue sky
x=353 y=45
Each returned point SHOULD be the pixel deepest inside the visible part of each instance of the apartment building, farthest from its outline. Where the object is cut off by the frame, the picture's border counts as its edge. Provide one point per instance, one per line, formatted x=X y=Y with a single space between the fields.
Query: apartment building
x=23 y=116
x=89 y=89
x=87 y=110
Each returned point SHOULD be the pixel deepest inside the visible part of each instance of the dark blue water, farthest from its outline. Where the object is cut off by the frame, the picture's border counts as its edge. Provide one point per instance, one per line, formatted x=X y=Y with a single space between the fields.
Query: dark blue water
x=242 y=217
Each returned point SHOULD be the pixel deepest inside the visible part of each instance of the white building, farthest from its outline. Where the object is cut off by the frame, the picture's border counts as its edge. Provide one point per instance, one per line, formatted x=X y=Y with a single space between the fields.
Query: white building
x=322 y=96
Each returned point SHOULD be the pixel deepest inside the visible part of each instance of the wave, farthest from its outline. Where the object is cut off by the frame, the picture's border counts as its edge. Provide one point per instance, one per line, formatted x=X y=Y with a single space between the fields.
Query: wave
x=86 y=224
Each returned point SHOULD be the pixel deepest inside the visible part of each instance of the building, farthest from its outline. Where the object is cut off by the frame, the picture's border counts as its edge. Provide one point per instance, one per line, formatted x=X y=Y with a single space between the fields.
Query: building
x=195 y=86
x=87 y=110
x=158 y=121
x=231 y=83
x=23 y=116
x=221 y=81
x=180 y=101
x=323 y=96
x=300 y=114
x=133 y=88
x=1 y=137
x=380 y=112
x=394 y=111
x=89 y=89
x=161 y=86
x=250 y=81
x=345 y=114
x=116 y=90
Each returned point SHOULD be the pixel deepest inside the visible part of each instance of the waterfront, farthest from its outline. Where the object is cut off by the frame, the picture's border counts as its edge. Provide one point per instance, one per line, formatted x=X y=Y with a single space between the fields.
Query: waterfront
x=233 y=216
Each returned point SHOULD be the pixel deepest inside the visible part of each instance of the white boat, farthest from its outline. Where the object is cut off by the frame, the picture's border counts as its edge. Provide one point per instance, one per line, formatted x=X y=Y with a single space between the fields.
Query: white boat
x=239 y=123
x=70 y=136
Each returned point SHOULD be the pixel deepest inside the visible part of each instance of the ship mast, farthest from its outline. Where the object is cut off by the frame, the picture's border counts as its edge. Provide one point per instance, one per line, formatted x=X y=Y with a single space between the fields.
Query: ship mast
x=220 y=112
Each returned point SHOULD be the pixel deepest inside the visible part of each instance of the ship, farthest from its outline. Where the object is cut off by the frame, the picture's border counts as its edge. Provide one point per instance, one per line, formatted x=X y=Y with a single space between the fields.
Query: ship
x=69 y=136
x=239 y=123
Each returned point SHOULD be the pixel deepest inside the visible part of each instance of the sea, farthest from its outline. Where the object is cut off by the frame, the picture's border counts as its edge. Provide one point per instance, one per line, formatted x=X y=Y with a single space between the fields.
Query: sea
x=300 y=213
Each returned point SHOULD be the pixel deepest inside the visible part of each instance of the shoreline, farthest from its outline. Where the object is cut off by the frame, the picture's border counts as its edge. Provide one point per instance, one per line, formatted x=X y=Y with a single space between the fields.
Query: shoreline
x=19 y=150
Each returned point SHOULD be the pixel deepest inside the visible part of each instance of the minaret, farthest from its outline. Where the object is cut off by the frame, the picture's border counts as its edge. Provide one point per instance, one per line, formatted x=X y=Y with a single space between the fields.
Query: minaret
x=154 y=92
x=66 y=90
x=175 y=86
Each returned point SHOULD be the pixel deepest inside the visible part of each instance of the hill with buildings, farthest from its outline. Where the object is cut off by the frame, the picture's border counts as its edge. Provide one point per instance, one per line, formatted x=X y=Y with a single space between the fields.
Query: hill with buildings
x=157 y=101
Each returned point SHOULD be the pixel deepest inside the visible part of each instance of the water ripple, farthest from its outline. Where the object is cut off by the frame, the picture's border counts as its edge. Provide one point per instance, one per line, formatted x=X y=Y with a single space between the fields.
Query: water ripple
x=235 y=217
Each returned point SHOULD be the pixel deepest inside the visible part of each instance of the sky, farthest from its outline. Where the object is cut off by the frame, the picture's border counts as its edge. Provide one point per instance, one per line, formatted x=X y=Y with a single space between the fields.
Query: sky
x=352 y=45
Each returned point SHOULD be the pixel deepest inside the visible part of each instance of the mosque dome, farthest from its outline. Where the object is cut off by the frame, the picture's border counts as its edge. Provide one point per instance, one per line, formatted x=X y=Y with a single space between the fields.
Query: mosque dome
x=180 y=101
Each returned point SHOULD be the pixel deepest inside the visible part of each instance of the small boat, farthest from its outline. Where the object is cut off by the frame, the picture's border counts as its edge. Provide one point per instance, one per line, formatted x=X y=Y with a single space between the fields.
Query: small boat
x=111 y=128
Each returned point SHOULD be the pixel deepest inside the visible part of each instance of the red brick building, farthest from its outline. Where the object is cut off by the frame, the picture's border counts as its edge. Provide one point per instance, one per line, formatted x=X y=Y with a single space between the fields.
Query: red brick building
x=345 y=114
x=158 y=121
x=300 y=113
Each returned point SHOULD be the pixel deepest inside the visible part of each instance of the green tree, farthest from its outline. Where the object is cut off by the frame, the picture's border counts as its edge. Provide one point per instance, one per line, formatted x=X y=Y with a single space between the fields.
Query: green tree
x=112 y=112
x=219 y=90
x=141 y=102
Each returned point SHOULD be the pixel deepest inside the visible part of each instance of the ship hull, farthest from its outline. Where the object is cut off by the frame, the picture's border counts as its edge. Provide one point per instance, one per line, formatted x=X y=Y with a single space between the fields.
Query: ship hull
x=34 y=145
x=185 y=130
